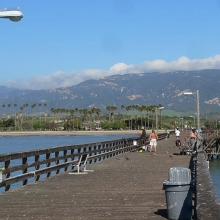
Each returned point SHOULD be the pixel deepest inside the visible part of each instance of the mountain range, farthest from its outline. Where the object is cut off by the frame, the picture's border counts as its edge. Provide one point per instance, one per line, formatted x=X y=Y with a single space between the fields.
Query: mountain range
x=166 y=88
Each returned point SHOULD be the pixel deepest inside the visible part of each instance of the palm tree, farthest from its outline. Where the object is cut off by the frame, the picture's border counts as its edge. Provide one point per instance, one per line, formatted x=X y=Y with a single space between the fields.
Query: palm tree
x=81 y=112
x=9 y=105
x=93 y=112
x=3 y=106
x=15 y=105
x=72 y=118
x=45 y=112
x=108 y=108
x=39 y=105
x=20 y=117
x=98 y=112
x=26 y=106
x=85 y=114
x=53 y=112
x=128 y=108
x=147 y=108
x=33 y=106
x=122 y=107
x=76 y=110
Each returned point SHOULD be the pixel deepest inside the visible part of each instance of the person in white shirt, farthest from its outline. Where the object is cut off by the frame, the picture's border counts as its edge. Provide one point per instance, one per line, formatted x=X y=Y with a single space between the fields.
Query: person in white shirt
x=177 y=132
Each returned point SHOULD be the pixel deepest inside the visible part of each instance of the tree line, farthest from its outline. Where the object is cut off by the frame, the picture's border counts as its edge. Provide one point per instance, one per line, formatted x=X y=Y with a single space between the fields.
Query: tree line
x=110 y=117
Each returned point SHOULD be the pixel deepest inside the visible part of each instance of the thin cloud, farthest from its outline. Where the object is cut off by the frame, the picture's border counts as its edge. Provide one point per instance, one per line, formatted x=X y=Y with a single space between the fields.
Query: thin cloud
x=60 y=79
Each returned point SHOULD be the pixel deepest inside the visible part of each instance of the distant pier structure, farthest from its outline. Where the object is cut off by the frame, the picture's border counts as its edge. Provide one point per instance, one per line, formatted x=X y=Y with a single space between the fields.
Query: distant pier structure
x=211 y=146
x=14 y=14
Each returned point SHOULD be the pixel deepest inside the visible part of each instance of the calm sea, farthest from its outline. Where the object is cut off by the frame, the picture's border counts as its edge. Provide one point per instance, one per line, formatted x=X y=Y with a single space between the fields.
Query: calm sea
x=9 y=144
x=214 y=167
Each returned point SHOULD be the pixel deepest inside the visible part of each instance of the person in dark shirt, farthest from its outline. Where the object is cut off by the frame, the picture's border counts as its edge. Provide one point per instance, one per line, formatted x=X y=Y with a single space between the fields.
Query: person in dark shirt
x=143 y=135
x=178 y=142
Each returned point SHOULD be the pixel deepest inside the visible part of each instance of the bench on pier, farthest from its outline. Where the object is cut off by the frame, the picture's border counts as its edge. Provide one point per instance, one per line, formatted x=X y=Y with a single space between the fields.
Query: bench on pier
x=81 y=165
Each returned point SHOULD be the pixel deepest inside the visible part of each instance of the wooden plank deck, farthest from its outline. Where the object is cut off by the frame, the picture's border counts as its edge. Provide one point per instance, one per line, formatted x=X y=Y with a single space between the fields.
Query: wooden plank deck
x=128 y=186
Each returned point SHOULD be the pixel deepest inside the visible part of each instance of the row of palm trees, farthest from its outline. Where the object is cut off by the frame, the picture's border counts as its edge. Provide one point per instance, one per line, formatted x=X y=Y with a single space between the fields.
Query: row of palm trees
x=92 y=116
x=25 y=106
x=131 y=111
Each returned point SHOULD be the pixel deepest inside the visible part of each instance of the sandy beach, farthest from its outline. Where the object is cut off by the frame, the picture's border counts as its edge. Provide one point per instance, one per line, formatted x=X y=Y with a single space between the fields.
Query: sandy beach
x=26 y=133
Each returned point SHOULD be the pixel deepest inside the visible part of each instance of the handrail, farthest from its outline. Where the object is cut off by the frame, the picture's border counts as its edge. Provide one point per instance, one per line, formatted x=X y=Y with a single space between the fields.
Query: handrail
x=34 y=163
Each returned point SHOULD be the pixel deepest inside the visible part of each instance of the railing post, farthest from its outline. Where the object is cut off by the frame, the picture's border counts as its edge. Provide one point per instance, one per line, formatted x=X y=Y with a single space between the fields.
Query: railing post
x=57 y=161
x=48 y=163
x=65 y=160
x=37 y=167
x=7 y=175
x=24 y=170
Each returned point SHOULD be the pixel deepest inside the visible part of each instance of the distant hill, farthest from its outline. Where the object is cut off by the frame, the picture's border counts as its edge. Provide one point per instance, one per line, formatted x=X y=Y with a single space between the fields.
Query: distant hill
x=164 y=88
x=5 y=90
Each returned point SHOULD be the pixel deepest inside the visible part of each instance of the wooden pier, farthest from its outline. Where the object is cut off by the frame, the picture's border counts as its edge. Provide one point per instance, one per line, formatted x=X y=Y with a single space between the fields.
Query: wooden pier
x=125 y=186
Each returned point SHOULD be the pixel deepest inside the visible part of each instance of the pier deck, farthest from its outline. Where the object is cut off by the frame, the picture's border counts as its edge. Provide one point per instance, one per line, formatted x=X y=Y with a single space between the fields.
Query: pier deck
x=128 y=186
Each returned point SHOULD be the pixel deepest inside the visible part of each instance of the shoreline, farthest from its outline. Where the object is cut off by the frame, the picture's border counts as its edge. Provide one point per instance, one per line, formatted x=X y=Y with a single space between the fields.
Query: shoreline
x=51 y=133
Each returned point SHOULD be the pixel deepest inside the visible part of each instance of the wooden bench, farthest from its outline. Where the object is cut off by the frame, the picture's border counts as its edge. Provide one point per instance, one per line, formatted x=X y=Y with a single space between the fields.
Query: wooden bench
x=81 y=165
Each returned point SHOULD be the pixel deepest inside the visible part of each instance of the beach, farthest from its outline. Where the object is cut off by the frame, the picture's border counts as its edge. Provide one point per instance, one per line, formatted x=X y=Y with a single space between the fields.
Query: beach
x=107 y=132
x=26 y=133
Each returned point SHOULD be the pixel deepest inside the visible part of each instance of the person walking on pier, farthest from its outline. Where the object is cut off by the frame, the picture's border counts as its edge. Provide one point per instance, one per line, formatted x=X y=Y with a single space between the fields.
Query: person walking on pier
x=153 y=140
x=178 y=142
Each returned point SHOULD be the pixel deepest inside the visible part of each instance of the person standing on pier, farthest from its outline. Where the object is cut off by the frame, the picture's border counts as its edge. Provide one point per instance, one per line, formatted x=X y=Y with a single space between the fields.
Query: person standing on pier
x=193 y=137
x=153 y=140
x=143 y=136
x=177 y=132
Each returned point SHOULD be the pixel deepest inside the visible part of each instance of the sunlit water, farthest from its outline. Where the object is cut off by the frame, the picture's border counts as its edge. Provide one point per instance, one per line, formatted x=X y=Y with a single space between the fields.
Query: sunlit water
x=214 y=167
x=10 y=144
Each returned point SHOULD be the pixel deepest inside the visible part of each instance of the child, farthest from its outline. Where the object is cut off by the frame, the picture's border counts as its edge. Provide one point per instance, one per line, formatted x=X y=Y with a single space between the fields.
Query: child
x=178 y=142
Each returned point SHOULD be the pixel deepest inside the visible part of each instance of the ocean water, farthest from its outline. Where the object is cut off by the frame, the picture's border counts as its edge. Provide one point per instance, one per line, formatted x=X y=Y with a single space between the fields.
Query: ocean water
x=214 y=168
x=9 y=144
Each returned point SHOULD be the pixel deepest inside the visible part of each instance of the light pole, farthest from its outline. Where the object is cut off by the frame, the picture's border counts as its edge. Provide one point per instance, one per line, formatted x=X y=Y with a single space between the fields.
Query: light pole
x=156 y=108
x=161 y=108
x=182 y=122
x=193 y=120
x=197 y=105
x=12 y=14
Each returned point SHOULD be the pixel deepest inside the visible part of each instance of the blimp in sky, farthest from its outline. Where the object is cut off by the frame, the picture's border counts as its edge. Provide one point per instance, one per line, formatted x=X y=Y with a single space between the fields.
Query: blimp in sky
x=12 y=14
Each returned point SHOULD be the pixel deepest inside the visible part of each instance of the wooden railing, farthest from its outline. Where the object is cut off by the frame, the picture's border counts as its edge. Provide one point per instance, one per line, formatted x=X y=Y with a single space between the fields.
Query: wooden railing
x=22 y=166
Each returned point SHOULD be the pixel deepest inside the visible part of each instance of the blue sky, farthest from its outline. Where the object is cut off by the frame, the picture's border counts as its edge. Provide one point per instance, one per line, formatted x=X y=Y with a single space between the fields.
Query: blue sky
x=62 y=43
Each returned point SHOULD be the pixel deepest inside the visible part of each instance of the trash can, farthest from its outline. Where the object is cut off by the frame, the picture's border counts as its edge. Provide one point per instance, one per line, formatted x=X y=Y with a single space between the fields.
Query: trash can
x=178 y=194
